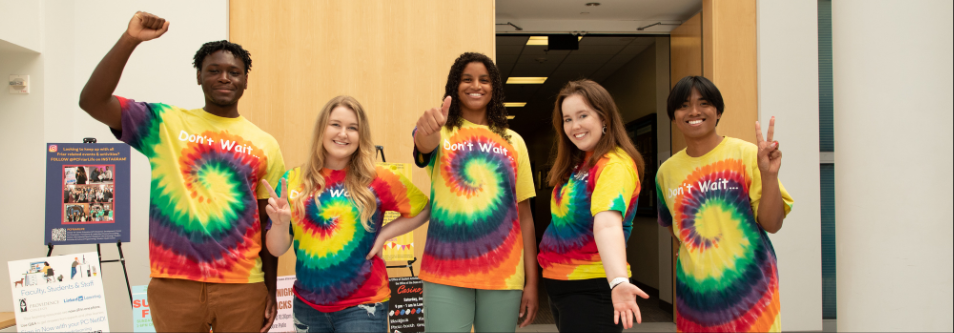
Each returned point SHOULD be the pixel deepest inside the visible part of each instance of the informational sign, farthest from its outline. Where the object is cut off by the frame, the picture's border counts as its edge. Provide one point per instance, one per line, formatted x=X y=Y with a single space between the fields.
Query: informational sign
x=142 y=317
x=59 y=294
x=285 y=297
x=400 y=247
x=406 y=308
x=87 y=193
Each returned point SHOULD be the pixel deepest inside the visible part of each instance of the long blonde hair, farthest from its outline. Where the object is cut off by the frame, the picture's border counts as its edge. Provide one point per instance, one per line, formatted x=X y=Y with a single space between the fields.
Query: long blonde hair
x=360 y=170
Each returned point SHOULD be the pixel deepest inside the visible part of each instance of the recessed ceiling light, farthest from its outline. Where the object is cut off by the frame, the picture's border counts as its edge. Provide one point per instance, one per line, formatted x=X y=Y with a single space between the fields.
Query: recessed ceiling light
x=544 y=40
x=511 y=117
x=515 y=104
x=526 y=80
x=592 y=4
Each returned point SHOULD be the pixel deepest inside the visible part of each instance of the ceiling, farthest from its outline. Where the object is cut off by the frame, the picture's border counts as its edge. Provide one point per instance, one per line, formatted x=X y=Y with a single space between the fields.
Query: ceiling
x=597 y=59
x=610 y=40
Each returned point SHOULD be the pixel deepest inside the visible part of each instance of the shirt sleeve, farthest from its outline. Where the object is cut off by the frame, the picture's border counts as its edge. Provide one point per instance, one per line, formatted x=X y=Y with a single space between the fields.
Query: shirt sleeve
x=402 y=196
x=140 y=123
x=664 y=215
x=524 y=186
x=755 y=188
x=615 y=184
x=273 y=172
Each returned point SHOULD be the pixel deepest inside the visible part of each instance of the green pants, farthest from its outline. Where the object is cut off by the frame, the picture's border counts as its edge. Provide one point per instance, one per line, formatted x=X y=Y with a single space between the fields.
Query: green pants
x=455 y=309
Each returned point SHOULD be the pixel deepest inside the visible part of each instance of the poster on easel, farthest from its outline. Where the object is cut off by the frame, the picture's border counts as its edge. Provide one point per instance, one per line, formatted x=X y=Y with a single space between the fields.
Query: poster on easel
x=406 y=307
x=87 y=193
x=400 y=247
x=59 y=294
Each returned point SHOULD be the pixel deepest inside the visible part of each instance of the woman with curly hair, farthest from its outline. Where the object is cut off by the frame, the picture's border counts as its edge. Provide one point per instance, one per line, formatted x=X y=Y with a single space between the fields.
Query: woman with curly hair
x=479 y=266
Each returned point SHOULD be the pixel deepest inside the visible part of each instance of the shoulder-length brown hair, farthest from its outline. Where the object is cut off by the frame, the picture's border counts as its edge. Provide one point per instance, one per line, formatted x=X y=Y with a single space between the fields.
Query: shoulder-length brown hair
x=568 y=155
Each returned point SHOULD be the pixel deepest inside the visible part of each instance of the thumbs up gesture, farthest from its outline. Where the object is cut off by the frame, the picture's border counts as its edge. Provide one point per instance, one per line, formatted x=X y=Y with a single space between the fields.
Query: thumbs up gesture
x=428 y=134
x=432 y=120
x=144 y=26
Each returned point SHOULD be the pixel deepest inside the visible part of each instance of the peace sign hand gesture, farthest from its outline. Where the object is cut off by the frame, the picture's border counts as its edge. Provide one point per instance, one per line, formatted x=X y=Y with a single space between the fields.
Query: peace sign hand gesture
x=278 y=209
x=769 y=156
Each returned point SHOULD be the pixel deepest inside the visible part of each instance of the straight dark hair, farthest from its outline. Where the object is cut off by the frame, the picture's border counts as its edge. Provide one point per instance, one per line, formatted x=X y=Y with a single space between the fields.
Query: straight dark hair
x=683 y=89
x=568 y=155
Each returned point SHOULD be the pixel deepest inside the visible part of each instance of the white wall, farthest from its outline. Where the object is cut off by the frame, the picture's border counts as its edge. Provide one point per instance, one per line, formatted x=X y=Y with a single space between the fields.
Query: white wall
x=788 y=90
x=76 y=35
x=893 y=174
x=21 y=23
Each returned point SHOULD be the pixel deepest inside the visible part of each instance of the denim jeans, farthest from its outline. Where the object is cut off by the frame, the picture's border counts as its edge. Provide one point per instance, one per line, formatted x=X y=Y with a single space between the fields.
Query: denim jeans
x=361 y=318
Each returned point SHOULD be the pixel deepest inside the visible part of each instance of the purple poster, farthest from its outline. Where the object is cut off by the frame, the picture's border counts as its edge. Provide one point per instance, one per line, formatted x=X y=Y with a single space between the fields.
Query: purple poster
x=87 y=193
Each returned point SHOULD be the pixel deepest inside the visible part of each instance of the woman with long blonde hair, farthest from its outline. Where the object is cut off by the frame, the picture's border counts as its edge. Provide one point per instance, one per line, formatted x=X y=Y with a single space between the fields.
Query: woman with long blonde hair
x=332 y=208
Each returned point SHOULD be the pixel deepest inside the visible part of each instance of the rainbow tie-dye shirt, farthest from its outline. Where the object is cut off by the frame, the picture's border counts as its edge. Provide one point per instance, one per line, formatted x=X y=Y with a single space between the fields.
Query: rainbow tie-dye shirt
x=726 y=272
x=568 y=250
x=331 y=243
x=474 y=238
x=203 y=210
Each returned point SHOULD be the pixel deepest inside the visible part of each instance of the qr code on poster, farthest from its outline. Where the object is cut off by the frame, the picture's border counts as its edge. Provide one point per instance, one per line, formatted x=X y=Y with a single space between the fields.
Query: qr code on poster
x=59 y=234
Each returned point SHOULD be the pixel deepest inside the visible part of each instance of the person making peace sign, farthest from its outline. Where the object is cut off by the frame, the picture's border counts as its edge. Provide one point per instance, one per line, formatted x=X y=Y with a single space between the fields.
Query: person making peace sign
x=333 y=208
x=719 y=197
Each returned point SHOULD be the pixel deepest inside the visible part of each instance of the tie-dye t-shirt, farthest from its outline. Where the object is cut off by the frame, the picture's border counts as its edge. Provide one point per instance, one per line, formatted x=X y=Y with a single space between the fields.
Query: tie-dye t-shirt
x=568 y=250
x=474 y=238
x=203 y=210
x=331 y=243
x=726 y=273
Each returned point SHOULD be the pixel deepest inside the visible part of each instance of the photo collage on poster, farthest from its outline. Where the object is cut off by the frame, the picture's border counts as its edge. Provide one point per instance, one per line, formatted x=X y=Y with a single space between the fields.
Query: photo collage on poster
x=88 y=192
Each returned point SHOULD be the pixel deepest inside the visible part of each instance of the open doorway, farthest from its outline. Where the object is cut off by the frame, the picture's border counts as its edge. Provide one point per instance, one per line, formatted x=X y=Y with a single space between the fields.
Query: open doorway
x=626 y=65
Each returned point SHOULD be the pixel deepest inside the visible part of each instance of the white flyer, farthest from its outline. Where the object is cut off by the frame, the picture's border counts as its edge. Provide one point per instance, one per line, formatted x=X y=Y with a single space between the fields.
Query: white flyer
x=61 y=293
x=284 y=296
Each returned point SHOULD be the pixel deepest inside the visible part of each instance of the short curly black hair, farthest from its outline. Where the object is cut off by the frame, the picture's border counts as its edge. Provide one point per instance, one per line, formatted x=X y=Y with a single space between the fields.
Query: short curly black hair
x=222 y=45
x=496 y=112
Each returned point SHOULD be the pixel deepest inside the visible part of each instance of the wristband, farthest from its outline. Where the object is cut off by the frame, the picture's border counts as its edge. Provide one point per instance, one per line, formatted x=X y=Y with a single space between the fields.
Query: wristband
x=617 y=281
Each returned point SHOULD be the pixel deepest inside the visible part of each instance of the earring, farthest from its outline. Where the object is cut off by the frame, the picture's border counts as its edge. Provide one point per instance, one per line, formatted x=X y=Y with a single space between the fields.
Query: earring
x=604 y=129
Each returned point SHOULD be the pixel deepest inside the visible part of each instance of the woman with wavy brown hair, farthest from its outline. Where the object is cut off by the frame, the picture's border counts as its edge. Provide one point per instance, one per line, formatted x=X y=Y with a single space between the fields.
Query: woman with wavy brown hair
x=595 y=179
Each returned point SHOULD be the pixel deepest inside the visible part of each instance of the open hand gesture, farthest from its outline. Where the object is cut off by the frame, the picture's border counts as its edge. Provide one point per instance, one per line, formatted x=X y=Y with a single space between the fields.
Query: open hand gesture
x=624 y=304
x=144 y=26
x=769 y=156
x=432 y=120
x=278 y=209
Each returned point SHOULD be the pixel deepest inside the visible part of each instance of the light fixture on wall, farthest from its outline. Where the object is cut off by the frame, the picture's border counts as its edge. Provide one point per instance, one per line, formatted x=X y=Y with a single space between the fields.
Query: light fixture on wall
x=526 y=80
x=515 y=104
x=511 y=117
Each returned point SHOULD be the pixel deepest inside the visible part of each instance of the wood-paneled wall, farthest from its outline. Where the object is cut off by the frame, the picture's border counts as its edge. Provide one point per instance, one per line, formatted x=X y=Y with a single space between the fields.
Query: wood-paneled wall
x=685 y=52
x=392 y=55
x=730 y=60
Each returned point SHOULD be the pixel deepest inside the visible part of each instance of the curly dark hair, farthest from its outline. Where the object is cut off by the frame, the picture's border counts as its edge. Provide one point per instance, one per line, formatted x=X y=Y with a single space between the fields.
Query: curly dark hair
x=496 y=112
x=222 y=45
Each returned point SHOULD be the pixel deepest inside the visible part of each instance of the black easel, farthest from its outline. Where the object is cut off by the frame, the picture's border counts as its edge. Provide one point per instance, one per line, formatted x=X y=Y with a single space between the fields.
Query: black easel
x=410 y=263
x=99 y=254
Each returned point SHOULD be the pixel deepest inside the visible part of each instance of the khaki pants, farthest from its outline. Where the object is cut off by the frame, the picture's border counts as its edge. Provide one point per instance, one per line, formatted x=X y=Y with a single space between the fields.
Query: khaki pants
x=190 y=306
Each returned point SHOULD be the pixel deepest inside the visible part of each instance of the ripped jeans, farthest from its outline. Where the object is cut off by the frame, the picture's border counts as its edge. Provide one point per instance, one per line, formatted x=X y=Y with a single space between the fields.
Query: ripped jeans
x=371 y=317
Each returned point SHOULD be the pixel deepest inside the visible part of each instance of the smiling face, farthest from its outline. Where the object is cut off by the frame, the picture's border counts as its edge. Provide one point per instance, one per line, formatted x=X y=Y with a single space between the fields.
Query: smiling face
x=223 y=78
x=697 y=117
x=341 y=137
x=475 y=90
x=581 y=123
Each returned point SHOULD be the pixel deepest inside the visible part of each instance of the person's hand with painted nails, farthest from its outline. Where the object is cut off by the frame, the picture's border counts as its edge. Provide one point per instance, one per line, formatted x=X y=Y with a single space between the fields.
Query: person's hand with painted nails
x=769 y=156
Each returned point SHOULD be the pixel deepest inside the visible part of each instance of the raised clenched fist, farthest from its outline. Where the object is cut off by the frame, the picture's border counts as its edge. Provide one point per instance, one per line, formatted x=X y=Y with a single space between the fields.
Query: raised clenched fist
x=144 y=26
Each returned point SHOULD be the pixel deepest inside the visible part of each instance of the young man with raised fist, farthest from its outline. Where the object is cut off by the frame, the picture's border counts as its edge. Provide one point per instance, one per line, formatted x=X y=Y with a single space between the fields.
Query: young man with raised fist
x=208 y=266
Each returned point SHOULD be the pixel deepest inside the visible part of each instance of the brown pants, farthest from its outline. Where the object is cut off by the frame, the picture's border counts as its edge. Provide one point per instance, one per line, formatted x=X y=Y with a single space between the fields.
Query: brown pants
x=190 y=306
